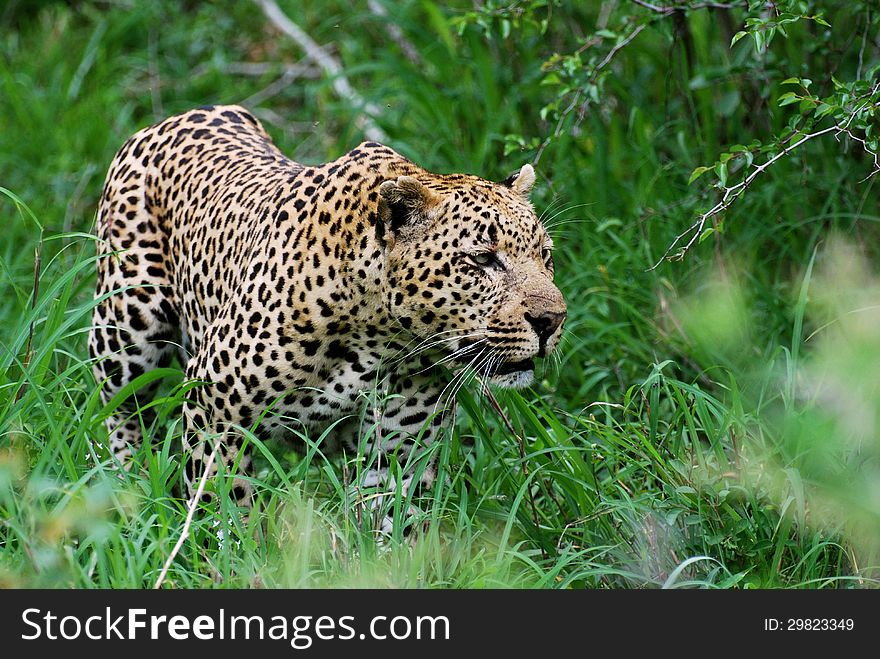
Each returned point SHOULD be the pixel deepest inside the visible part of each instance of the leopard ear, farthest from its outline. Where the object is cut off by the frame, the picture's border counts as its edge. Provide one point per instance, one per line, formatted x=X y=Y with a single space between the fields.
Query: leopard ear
x=522 y=181
x=404 y=201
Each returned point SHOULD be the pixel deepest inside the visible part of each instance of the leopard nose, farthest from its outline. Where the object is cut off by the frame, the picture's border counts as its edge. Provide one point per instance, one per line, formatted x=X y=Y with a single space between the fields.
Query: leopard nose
x=545 y=323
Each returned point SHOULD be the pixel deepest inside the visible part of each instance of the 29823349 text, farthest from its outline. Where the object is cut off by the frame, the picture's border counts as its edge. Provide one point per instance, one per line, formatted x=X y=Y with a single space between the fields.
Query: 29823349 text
x=809 y=624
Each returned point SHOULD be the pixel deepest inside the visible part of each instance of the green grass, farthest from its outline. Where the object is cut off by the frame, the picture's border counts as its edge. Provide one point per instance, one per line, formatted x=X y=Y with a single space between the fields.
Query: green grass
x=709 y=423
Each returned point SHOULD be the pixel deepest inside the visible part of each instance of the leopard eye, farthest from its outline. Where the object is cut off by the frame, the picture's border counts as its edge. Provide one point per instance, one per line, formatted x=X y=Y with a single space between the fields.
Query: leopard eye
x=547 y=256
x=484 y=259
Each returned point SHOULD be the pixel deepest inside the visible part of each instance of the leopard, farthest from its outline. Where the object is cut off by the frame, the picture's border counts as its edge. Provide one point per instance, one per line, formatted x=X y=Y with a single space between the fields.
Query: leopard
x=349 y=300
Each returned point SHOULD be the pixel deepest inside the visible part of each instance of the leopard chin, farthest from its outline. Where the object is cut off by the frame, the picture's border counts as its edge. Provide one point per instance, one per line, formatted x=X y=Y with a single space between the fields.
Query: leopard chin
x=515 y=380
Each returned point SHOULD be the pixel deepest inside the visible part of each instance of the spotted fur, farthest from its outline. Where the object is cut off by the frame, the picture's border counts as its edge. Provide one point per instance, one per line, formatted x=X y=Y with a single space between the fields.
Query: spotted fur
x=294 y=291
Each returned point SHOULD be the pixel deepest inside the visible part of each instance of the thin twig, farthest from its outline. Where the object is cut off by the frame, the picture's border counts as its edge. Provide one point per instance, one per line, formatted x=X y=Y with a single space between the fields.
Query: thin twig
x=610 y=56
x=28 y=350
x=397 y=36
x=73 y=206
x=686 y=7
x=731 y=194
x=864 y=43
x=189 y=515
x=257 y=69
x=522 y=454
x=594 y=74
x=330 y=66
x=734 y=192
x=155 y=79
x=272 y=89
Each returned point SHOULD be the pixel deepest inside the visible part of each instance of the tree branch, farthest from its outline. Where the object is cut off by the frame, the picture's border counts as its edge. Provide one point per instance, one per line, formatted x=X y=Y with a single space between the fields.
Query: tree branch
x=594 y=74
x=734 y=192
x=682 y=8
x=332 y=68
x=406 y=46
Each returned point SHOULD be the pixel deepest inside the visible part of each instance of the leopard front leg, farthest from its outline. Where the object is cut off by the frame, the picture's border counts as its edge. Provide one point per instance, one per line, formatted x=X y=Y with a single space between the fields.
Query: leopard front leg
x=214 y=417
x=399 y=437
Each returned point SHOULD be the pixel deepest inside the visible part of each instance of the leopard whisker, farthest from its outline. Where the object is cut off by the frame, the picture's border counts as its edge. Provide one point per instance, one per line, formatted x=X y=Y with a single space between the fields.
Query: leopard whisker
x=548 y=221
x=551 y=207
x=426 y=339
x=433 y=340
x=460 y=375
x=452 y=356
x=487 y=364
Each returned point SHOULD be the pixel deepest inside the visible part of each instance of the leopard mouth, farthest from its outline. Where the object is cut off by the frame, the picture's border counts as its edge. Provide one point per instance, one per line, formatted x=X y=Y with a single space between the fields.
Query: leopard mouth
x=470 y=355
x=506 y=368
x=492 y=369
x=514 y=374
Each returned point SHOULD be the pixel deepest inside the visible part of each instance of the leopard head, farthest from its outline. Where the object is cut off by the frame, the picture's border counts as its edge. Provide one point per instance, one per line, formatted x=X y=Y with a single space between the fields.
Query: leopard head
x=469 y=272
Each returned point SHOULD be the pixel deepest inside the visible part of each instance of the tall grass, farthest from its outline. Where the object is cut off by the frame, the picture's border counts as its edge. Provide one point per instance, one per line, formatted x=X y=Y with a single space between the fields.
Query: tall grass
x=710 y=423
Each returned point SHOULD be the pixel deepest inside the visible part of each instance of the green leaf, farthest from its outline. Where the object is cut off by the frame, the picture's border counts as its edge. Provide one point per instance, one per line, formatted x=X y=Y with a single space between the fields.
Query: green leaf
x=806 y=105
x=721 y=171
x=788 y=98
x=728 y=103
x=760 y=41
x=551 y=78
x=739 y=35
x=697 y=173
